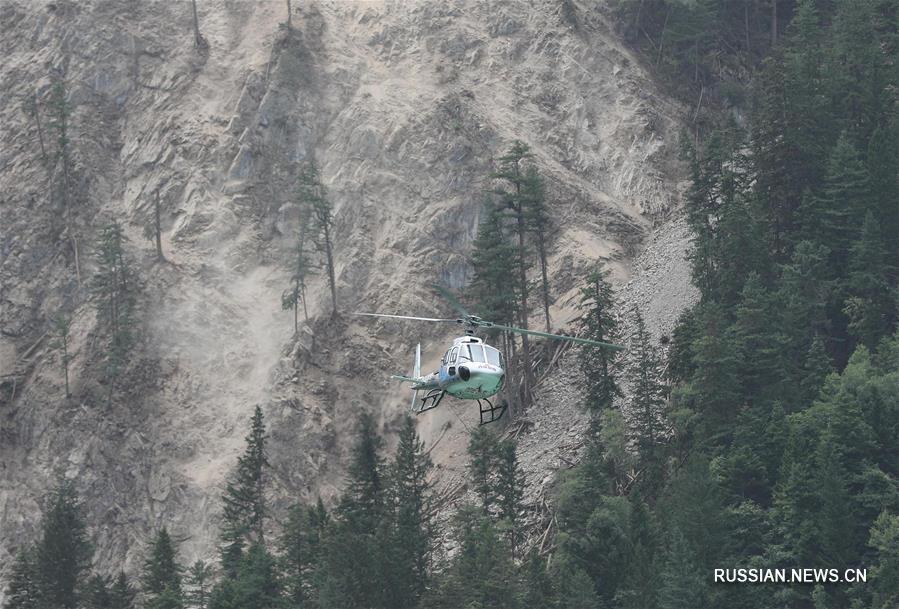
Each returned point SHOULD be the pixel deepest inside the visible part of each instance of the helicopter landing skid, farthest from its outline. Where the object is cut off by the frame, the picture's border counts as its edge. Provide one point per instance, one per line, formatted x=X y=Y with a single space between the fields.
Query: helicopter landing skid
x=430 y=401
x=491 y=413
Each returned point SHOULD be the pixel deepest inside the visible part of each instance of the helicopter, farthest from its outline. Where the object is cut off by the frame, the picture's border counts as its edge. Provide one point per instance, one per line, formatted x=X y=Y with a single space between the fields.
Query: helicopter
x=470 y=369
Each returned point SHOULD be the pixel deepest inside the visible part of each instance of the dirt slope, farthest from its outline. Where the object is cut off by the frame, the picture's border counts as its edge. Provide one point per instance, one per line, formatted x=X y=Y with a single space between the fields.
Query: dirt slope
x=403 y=105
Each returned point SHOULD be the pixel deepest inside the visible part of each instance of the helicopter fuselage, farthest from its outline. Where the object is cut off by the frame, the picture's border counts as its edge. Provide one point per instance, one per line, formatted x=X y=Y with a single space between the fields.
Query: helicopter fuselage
x=469 y=370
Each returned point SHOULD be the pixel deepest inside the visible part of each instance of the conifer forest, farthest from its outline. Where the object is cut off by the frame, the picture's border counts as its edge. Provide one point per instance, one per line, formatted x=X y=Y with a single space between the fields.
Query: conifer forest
x=756 y=433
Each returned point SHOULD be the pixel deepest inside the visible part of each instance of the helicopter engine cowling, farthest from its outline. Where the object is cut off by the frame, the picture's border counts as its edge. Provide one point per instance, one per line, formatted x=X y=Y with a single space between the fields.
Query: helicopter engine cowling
x=464 y=373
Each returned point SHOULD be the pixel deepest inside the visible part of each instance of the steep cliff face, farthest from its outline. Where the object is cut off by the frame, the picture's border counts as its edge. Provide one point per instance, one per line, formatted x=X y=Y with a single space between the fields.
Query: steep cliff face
x=403 y=105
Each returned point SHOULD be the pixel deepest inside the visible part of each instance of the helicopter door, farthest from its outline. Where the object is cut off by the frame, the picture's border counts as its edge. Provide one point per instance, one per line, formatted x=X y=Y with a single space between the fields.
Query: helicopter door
x=451 y=360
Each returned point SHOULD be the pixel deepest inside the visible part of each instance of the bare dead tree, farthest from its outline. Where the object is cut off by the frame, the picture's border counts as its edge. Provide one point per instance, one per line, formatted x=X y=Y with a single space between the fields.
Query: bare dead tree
x=198 y=38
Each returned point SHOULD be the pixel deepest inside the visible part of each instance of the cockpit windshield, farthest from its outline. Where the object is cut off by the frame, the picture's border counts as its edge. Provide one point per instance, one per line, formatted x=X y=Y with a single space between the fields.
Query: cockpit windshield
x=472 y=353
x=493 y=356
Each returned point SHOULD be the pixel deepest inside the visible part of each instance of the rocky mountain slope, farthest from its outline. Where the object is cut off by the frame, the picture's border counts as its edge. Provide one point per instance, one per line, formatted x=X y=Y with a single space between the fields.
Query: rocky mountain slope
x=404 y=106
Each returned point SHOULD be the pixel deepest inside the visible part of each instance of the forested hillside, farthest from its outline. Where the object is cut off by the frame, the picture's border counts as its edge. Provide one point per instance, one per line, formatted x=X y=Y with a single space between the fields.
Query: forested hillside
x=764 y=433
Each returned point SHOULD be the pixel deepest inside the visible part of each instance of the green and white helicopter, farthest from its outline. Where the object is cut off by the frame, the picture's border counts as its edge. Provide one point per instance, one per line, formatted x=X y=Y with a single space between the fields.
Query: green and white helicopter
x=470 y=369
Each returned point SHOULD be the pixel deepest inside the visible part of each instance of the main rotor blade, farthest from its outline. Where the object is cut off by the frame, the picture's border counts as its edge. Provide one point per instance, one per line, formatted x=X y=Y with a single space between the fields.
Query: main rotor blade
x=408 y=317
x=573 y=339
x=450 y=298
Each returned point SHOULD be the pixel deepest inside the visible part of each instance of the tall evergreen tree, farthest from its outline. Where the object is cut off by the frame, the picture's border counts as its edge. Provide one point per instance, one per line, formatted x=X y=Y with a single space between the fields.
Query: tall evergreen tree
x=63 y=552
x=115 y=287
x=303 y=267
x=598 y=323
x=302 y=551
x=482 y=574
x=244 y=497
x=885 y=541
x=121 y=593
x=682 y=584
x=644 y=377
x=837 y=217
x=871 y=305
x=539 y=590
x=882 y=160
x=162 y=574
x=311 y=192
x=352 y=572
x=763 y=369
x=576 y=588
x=96 y=594
x=23 y=589
x=199 y=581
x=716 y=383
x=539 y=223
x=482 y=457
x=254 y=584
x=412 y=535
x=493 y=285
x=515 y=200
x=510 y=490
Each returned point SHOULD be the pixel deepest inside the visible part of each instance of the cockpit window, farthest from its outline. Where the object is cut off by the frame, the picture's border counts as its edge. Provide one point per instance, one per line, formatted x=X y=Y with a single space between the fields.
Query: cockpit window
x=452 y=357
x=493 y=356
x=477 y=353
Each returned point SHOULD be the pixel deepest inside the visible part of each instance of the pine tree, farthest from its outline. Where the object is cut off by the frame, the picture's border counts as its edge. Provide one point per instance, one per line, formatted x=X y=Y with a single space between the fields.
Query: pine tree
x=244 y=497
x=598 y=323
x=114 y=287
x=493 y=285
x=837 y=217
x=539 y=590
x=816 y=368
x=412 y=535
x=718 y=361
x=352 y=572
x=576 y=589
x=539 y=223
x=482 y=575
x=96 y=594
x=644 y=374
x=482 y=458
x=871 y=306
x=161 y=579
x=638 y=588
x=763 y=369
x=780 y=177
x=63 y=552
x=509 y=490
x=303 y=267
x=493 y=261
x=515 y=202
x=302 y=551
x=23 y=589
x=254 y=584
x=311 y=192
x=682 y=584
x=121 y=593
x=885 y=541
x=803 y=294
x=61 y=327
x=199 y=580
x=833 y=522
x=363 y=499
x=882 y=160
